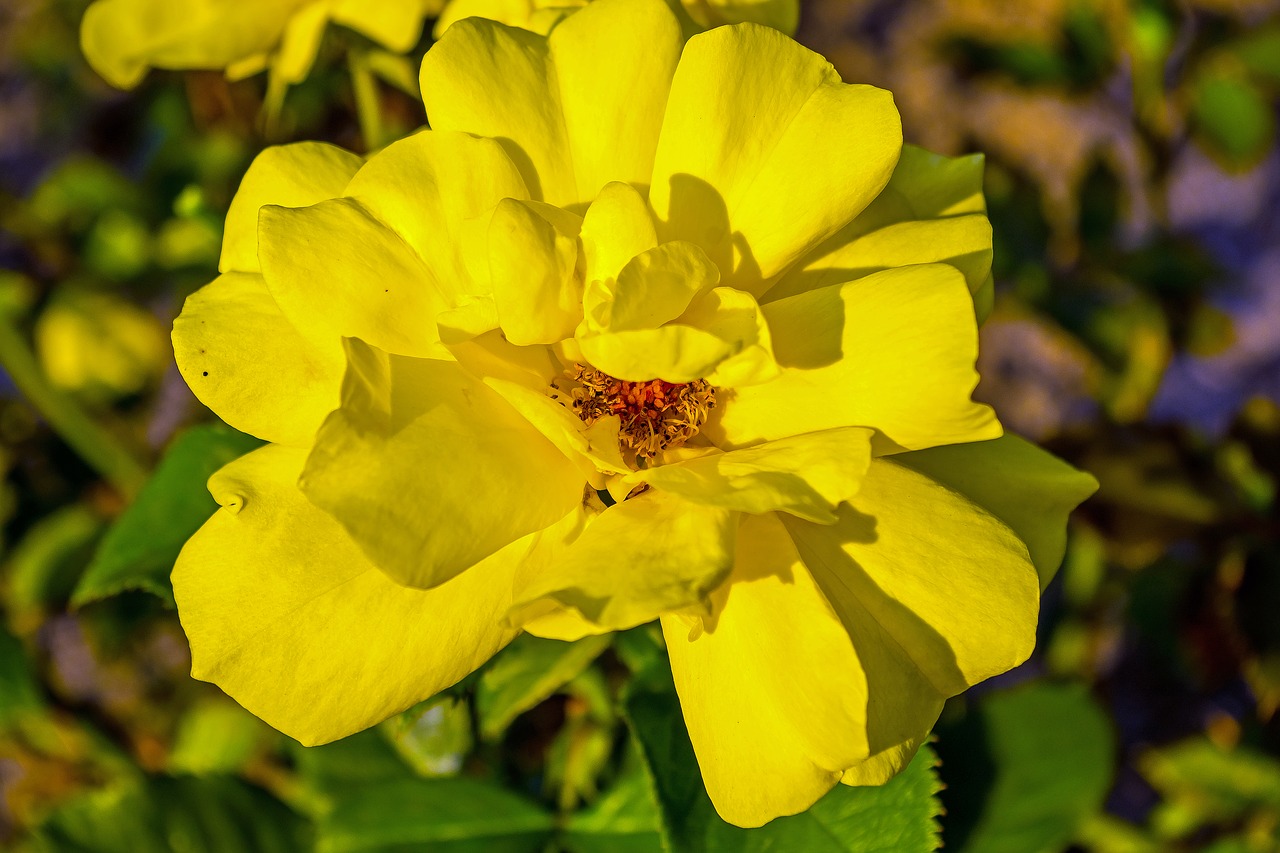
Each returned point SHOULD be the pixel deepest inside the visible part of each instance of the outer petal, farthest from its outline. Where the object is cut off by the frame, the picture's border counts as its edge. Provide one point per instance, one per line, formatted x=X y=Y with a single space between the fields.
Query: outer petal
x=432 y=189
x=805 y=475
x=295 y=175
x=574 y=111
x=1028 y=489
x=894 y=351
x=951 y=584
x=396 y=24
x=652 y=554
x=765 y=153
x=243 y=359
x=779 y=696
x=123 y=38
x=931 y=211
x=284 y=613
x=513 y=13
x=430 y=471
x=337 y=271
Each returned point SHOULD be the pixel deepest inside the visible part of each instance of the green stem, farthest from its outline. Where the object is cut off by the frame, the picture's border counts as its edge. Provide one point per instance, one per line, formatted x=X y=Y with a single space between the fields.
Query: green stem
x=364 y=86
x=95 y=445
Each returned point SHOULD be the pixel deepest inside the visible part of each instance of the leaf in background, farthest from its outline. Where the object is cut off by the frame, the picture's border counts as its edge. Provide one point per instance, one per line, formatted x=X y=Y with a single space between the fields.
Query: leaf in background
x=1202 y=783
x=19 y=694
x=623 y=820
x=161 y=814
x=899 y=817
x=433 y=737
x=139 y=550
x=527 y=672
x=43 y=569
x=1233 y=117
x=216 y=736
x=442 y=815
x=1025 y=770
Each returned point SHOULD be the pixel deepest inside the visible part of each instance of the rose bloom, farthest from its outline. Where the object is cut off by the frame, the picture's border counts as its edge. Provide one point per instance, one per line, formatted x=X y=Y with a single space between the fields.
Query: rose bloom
x=123 y=39
x=643 y=328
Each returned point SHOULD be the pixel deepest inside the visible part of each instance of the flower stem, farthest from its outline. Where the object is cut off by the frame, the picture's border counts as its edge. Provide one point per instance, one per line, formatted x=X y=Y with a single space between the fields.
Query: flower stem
x=95 y=445
x=368 y=108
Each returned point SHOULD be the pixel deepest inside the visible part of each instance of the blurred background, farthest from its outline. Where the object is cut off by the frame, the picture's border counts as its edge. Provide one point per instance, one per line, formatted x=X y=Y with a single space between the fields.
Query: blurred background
x=1133 y=179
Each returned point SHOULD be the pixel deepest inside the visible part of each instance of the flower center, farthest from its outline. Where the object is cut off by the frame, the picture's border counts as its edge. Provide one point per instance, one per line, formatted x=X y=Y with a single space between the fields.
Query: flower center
x=655 y=414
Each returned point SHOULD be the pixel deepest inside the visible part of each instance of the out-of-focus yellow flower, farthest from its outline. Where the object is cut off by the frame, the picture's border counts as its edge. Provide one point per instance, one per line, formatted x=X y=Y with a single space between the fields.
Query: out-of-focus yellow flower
x=704 y=281
x=100 y=345
x=122 y=39
x=541 y=15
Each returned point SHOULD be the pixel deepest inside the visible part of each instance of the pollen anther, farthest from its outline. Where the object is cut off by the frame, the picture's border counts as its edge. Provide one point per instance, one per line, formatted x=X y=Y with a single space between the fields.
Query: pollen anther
x=654 y=414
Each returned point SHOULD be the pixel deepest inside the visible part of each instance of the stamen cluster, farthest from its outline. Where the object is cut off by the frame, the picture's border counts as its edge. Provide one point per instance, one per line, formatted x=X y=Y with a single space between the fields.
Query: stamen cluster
x=655 y=414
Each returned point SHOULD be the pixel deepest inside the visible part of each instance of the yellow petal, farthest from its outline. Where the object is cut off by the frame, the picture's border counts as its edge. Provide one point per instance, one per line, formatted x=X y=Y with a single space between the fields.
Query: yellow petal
x=293 y=175
x=286 y=615
x=615 y=229
x=244 y=360
x=614 y=62
x=1028 y=489
x=884 y=765
x=123 y=38
x=779 y=696
x=735 y=317
x=299 y=44
x=949 y=582
x=964 y=242
x=927 y=186
x=513 y=13
x=782 y=15
x=672 y=353
x=805 y=475
x=575 y=111
x=931 y=211
x=894 y=351
x=395 y=24
x=563 y=623
x=336 y=271
x=594 y=450
x=765 y=153
x=533 y=268
x=430 y=471
x=649 y=555
x=655 y=286
x=429 y=188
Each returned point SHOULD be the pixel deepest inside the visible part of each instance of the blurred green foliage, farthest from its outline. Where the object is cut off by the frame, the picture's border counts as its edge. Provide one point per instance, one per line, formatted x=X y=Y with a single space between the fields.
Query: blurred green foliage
x=1133 y=179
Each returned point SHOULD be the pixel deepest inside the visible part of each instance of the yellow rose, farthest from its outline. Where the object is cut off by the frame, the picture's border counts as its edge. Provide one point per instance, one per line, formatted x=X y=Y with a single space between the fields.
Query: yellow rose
x=643 y=329
x=123 y=39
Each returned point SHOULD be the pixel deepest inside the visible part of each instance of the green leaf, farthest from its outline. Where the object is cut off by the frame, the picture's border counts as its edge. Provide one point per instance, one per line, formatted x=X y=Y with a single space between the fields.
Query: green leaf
x=442 y=815
x=623 y=820
x=142 y=545
x=44 y=567
x=1233 y=117
x=899 y=817
x=527 y=672
x=1025 y=770
x=216 y=736
x=167 y=813
x=1201 y=783
x=19 y=694
x=432 y=737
